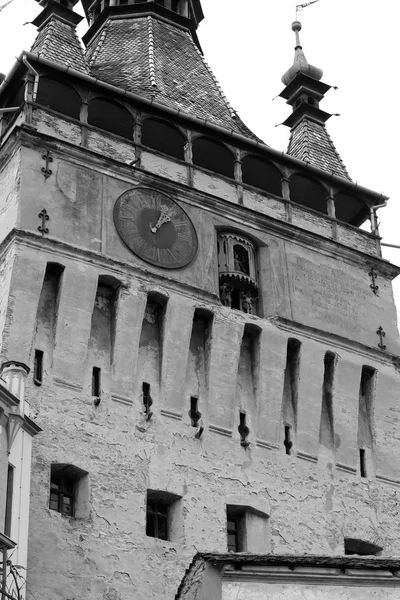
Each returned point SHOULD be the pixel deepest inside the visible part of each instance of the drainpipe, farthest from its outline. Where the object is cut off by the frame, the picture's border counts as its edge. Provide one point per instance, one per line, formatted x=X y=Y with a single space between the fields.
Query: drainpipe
x=36 y=81
x=374 y=220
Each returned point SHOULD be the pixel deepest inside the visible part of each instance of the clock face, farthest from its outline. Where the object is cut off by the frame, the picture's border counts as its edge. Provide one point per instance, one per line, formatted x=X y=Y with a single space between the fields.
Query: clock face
x=155 y=228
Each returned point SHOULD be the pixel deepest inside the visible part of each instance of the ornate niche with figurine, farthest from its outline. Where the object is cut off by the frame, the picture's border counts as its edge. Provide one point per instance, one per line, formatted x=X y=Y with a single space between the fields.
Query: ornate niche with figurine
x=237 y=272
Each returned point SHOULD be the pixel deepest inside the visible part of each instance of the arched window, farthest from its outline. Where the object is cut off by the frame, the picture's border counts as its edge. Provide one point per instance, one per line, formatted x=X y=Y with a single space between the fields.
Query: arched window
x=237 y=272
x=308 y=192
x=163 y=137
x=213 y=156
x=261 y=174
x=350 y=209
x=59 y=96
x=111 y=116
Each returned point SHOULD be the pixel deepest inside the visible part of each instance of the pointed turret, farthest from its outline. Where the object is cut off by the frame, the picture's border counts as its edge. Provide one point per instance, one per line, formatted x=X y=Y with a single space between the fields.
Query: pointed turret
x=57 y=40
x=309 y=139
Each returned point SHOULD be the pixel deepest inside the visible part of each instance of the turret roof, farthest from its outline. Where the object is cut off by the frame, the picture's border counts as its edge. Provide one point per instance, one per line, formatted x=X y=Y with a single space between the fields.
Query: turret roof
x=311 y=142
x=309 y=138
x=58 y=42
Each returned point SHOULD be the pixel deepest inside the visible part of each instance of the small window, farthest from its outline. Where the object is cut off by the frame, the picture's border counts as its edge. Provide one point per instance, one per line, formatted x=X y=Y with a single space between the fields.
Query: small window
x=157 y=519
x=247 y=525
x=194 y=413
x=235 y=529
x=9 y=500
x=64 y=489
x=361 y=547
x=38 y=368
x=96 y=382
x=162 y=521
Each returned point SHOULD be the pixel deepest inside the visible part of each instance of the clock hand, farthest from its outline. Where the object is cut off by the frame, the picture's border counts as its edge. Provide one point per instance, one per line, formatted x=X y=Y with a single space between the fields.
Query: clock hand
x=163 y=218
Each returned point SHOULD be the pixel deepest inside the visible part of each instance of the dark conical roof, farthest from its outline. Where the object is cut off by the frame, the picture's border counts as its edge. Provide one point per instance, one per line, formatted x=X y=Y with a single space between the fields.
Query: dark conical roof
x=156 y=59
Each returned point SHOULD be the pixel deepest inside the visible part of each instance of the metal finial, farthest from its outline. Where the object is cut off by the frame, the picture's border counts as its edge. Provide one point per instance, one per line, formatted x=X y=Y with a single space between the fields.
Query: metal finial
x=296 y=27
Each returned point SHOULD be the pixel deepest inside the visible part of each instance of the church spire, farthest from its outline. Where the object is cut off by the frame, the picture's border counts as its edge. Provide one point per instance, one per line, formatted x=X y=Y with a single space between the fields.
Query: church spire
x=309 y=139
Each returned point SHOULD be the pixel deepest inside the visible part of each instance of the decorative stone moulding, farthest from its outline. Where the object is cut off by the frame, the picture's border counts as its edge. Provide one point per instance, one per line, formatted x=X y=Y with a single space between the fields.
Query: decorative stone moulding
x=237 y=272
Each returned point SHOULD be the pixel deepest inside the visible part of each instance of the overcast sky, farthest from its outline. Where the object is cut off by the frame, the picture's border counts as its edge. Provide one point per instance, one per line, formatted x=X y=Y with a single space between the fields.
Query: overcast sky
x=249 y=44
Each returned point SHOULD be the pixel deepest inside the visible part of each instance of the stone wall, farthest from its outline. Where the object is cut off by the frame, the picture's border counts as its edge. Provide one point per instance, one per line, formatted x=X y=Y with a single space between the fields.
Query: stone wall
x=311 y=290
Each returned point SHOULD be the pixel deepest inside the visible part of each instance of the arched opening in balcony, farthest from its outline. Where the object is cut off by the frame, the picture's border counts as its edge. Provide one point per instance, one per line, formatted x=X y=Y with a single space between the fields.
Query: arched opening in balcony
x=213 y=156
x=261 y=174
x=308 y=192
x=350 y=209
x=59 y=96
x=111 y=116
x=162 y=136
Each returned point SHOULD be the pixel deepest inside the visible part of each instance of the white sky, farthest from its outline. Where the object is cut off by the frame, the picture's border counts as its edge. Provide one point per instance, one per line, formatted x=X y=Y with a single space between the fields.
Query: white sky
x=249 y=44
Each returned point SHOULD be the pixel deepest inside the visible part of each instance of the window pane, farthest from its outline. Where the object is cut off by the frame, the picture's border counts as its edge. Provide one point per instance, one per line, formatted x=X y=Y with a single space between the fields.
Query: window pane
x=162 y=509
x=54 y=501
x=150 y=529
x=162 y=528
x=232 y=542
x=66 y=507
x=55 y=484
x=68 y=485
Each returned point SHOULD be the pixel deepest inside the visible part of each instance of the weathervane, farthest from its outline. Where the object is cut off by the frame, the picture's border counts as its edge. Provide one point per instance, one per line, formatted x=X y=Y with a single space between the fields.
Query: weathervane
x=4 y=5
x=301 y=6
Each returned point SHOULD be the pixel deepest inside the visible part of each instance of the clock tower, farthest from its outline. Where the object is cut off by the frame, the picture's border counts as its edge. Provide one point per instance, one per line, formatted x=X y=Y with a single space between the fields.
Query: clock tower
x=211 y=334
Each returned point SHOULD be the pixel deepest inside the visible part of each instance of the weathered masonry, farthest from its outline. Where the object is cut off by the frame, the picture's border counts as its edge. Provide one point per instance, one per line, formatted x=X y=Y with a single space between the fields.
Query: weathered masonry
x=211 y=335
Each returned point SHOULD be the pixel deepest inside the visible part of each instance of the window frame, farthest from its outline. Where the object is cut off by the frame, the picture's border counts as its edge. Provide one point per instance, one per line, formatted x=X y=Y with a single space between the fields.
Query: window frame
x=158 y=511
x=62 y=492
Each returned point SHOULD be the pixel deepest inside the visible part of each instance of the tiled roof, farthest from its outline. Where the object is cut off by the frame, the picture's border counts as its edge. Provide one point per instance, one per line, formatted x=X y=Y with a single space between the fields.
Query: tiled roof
x=57 y=41
x=310 y=142
x=155 y=59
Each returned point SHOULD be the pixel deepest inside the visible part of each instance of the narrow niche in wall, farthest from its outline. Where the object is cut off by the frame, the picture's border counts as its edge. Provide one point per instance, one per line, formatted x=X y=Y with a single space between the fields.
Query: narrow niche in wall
x=365 y=417
x=326 y=429
x=248 y=376
x=150 y=347
x=198 y=363
x=46 y=321
x=102 y=333
x=290 y=393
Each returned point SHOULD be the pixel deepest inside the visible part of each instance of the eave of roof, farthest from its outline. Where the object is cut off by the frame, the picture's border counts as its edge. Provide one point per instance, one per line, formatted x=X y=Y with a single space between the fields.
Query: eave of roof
x=305 y=560
x=274 y=155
